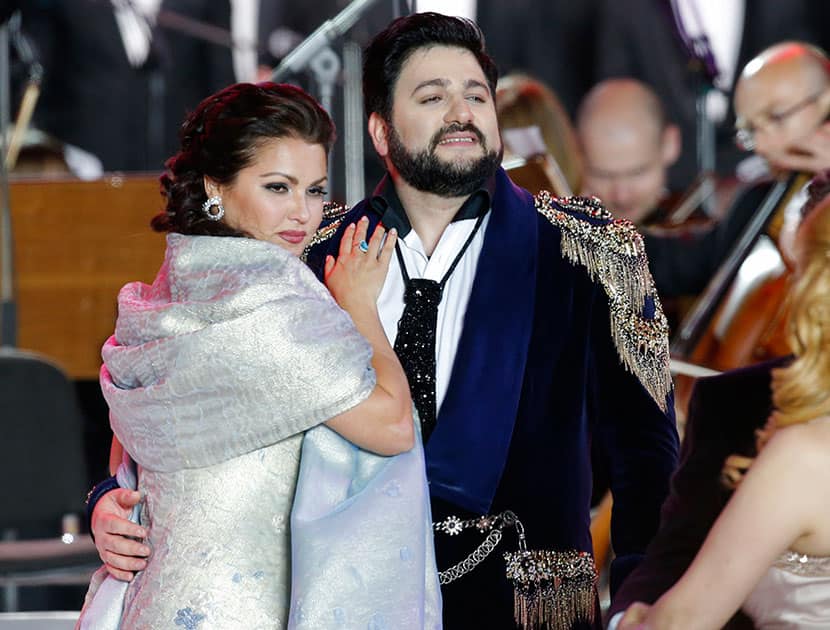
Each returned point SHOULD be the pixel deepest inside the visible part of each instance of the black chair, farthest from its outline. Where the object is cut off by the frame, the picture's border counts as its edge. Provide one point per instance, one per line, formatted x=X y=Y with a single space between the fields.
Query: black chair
x=42 y=477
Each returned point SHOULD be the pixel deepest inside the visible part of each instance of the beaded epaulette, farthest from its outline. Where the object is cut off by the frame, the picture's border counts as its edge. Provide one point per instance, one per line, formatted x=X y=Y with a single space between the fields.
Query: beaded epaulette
x=613 y=253
x=333 y=214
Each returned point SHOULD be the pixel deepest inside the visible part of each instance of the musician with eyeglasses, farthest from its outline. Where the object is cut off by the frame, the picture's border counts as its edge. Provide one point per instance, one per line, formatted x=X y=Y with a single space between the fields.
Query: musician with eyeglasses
x=782 y=101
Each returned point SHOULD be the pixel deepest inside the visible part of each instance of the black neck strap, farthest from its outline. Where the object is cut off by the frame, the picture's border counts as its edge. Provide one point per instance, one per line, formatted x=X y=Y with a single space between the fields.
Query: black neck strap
x=454 y=262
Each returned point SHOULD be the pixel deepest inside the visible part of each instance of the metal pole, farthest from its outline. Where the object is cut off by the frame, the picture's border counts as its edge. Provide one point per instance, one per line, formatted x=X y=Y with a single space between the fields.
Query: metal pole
x=706 y=150
x=353 y=122
x=325 y=34
x=326 y=67
x=8 y=312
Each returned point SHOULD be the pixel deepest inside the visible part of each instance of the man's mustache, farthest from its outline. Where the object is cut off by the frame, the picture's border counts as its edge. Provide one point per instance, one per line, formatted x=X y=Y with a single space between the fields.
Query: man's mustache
x=455 y=128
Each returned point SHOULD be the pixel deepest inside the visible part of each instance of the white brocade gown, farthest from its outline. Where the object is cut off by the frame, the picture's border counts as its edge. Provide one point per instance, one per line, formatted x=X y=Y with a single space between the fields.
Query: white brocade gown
x=793 y=594
x=219 y=375
x=220 y=540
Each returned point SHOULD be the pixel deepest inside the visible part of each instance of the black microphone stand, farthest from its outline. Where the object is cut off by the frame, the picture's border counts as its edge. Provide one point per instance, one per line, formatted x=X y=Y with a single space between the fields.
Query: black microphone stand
x=8 y=308
x=702 y=62
x=314 y=53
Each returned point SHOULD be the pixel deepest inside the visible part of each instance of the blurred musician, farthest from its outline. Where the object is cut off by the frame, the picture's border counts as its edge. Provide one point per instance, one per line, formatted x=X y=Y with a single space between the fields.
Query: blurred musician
x=782 y=101
x=642 y=39
x=629 y=146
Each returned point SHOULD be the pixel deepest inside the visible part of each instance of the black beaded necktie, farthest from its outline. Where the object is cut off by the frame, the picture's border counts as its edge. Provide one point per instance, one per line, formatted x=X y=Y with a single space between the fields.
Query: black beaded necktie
x=415 y=341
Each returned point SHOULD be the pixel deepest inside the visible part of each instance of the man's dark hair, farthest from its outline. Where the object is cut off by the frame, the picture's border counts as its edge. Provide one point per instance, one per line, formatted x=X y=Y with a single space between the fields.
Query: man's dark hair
x=390 y=49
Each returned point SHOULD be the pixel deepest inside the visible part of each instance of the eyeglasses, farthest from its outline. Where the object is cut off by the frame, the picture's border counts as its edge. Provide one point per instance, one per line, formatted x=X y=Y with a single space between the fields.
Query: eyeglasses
x=745 y=134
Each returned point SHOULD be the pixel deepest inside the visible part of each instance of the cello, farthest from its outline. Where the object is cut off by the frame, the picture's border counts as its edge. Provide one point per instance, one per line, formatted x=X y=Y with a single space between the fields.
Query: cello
x=740 y=317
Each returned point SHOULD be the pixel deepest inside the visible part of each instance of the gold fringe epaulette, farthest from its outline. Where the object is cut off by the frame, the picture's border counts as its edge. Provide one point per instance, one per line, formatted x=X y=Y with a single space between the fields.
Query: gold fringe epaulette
x=332 y=218
x=613 y=253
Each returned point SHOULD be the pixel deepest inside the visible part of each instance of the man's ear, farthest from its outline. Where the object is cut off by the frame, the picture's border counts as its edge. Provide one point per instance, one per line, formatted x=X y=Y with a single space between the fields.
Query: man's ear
x=671 y=144
x=378 y=131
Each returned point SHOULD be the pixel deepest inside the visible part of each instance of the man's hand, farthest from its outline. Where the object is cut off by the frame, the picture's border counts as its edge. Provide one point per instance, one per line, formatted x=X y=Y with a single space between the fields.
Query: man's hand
x=811 y=155
x=115 y=534
x=634 y=617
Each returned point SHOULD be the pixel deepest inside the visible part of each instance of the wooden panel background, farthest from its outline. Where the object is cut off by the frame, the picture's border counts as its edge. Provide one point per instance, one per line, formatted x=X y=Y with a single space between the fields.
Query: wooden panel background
x=75 y=244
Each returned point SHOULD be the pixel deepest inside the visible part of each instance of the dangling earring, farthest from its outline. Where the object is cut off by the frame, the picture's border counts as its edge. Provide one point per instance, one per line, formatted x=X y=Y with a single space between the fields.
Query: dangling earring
x=213 y=208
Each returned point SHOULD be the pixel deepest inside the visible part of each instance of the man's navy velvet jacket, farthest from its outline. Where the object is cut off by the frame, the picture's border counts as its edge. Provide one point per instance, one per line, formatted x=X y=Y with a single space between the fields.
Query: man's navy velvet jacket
x=536 y=378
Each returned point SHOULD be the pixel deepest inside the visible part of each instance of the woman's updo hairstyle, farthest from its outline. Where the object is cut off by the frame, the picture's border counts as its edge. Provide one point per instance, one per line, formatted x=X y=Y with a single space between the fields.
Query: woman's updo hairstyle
x=221 y=137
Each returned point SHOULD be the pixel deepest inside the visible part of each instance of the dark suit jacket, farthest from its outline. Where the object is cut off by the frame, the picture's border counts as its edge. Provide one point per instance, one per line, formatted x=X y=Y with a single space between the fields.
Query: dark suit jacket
x=93 y=98
x=536 y=362
x=191 y=68
x=724 y=413
x=636 y=38
x=552 y=40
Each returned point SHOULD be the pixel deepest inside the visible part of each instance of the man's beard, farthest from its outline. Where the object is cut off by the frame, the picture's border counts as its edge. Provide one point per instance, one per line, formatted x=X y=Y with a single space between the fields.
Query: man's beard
x=425 y=171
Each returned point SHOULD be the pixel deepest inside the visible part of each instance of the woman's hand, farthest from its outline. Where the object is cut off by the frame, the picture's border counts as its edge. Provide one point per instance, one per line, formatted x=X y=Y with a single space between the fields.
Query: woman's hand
x=356 y=277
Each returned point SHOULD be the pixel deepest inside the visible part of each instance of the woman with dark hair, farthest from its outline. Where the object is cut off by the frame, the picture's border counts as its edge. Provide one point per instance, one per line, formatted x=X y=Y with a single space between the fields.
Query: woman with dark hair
x=218 y=371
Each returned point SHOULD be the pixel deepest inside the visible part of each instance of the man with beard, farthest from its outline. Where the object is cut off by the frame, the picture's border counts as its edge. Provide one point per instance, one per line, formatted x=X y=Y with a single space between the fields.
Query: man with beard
x=498 y=305
x=527 y=328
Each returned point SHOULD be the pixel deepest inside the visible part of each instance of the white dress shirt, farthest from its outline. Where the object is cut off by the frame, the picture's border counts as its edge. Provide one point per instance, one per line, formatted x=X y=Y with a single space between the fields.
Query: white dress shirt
x=244 y=22
x=723 y=24
x=135 y=19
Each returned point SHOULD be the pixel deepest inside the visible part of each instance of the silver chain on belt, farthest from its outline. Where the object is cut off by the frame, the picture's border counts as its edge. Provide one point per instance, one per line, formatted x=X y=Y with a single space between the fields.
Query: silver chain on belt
x=452 y=525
